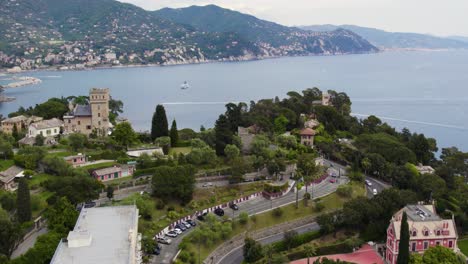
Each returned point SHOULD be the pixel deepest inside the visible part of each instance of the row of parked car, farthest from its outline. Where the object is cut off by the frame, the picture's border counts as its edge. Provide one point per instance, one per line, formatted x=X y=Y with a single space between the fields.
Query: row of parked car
x=181 y=227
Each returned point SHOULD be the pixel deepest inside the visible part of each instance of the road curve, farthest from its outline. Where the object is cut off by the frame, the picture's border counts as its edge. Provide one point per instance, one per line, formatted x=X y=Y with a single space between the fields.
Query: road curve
x=236 y=255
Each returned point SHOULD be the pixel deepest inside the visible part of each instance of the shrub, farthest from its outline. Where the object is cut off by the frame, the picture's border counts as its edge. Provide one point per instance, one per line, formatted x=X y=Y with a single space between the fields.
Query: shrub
x=243 y=218
x=277 y=212
x=345 y=191
x=160 y=205
x=319 y=207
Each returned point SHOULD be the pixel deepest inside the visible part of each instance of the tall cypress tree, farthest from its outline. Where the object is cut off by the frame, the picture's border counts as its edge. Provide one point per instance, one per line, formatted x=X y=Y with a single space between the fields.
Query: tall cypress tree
x=223 y=134
x=23 y=201
x=174 y=134
x=403 y=247
x=159 y=126
x=15 y=132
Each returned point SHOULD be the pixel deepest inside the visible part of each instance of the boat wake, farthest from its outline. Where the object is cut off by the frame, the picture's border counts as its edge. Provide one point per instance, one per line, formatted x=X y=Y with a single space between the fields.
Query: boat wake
x=413 y=121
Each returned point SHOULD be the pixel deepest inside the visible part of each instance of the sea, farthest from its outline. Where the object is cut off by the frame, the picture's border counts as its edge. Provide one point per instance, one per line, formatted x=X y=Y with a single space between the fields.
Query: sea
x=425 y=91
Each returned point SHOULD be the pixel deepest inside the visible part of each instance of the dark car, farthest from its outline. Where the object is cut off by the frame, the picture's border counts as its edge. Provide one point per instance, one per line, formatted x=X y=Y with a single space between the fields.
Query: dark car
x=191 y=222
x=219 y=212
x=157 y=250
x=181 y=227
x=202 y=216
x=89 y=204
x=234 y=206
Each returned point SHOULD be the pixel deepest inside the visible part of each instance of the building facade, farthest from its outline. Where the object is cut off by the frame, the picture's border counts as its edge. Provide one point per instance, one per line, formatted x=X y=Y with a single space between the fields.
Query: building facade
x=21 y=122
x=90 y=118
x=307 y=137
x=76 y=160
x=46 y=128
x=426 y=229
x=115 y=172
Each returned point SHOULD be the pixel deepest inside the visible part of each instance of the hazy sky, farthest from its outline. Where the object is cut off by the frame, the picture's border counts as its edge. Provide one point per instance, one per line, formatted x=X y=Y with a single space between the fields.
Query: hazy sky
x=447 y=17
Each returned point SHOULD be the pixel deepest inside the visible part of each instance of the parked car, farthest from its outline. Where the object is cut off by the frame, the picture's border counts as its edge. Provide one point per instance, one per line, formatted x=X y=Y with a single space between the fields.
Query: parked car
x=202 y=216
x=164 y=240
x=332 y=180
x=191 y=222
x=368 y=183
x=178 y=231
x=219 y=212
x=374 y=192
x=182 y=227
x=157 y=250
x=187 y=225
x=89 y=204
x=171 y=234
x=234 y=206
x=207 y=184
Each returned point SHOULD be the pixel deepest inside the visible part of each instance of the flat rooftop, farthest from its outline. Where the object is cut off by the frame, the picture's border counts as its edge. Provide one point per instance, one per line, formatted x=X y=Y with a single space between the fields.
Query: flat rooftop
x=104 y=235
x=419 y=213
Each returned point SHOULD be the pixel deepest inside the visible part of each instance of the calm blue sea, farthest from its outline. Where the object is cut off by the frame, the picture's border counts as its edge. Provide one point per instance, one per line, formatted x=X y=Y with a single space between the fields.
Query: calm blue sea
x=424 y=91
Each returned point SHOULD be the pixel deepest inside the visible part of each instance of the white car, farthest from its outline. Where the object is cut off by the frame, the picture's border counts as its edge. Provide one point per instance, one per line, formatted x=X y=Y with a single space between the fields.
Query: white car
x=368 y=183
x=178 y=231
x=374 y=191
x=171 y=234
x=164 y=240
x=187 y=225
x=207 y=184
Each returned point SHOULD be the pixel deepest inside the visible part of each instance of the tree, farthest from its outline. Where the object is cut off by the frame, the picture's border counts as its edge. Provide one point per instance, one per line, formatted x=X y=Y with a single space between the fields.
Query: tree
x=366 y=164
x=10 y=234
x=164 y=143
x=275 y=166
x=115 y=108
x=23 y=201
x=279 y=259
x=77 y=189
x=289 y=237
x=175 y=182
x=309 y=251
x=15 y=132
x=231 y=152
x=280 y=124
x=403 y=246
x=252 y=250
x=6 y=149
x=39 y=140
x=223 y=134
x=306 y=168
x=77 y=141
x=269 y=251
x=159 y=125
x=124 y=134
x=440 y=255
x=61 y=217
x=110 y=192
x=174 y=134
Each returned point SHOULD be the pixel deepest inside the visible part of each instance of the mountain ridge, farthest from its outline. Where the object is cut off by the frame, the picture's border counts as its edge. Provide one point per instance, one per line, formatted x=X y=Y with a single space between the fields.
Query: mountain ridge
x=86 y=33
x=395 y=40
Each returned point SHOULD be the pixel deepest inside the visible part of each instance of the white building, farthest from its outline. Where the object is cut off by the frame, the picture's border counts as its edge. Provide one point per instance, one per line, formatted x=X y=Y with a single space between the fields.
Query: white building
x=47 y=128
x=104 y=235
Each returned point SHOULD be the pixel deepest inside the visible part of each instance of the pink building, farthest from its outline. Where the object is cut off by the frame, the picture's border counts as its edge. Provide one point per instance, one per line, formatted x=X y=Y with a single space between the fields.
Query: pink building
x=115 y=172
x=307 y=136
x=76 y=160
x=426 y=229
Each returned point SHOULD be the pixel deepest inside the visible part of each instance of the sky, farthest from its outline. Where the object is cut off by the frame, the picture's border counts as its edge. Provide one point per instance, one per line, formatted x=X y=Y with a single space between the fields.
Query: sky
x=436 y=17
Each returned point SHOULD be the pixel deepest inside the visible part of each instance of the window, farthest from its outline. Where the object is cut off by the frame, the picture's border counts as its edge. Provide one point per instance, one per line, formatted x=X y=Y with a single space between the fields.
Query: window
x=99 y=122
x=98 y=114
x=99 y=107
x=88 y=127
x=413 y=233
x=437 y=243
x=69 y=121
x=450 y=244
x=438 y=232
x=413 y=246
x=425 y=232
x=102 y=177
x=55 y=130
x=426 y=245
x=79 y=122
x=116 y=175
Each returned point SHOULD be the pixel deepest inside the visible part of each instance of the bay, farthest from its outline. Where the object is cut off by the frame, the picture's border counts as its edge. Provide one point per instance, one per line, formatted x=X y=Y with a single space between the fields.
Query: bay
x=426 y=91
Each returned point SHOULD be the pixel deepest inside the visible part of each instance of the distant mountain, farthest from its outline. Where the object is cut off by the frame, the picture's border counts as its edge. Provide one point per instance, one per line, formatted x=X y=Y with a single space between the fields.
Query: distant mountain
x=396 y=40
x=82 y=33
x=459 y=38
x=266 y=35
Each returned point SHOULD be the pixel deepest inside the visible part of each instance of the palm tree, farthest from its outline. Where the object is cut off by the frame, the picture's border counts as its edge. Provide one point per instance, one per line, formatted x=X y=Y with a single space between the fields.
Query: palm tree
x=309 y=251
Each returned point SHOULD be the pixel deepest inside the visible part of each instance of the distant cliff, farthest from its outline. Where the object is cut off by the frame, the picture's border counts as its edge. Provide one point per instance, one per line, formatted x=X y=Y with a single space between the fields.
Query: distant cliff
x=84 y=33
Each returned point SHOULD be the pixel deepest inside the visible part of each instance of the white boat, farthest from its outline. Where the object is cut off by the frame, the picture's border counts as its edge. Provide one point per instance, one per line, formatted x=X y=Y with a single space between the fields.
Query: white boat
x=185 y=86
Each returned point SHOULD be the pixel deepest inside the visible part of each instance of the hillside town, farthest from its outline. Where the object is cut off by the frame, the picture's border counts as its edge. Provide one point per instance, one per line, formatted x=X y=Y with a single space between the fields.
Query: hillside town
x=87 y=188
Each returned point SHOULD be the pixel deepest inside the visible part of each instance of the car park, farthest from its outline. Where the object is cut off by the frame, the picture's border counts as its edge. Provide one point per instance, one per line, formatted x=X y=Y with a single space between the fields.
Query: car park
x=181 y=226
x=171 y=234
x=191 y=222
x=234 y=206
x=164 y=240
x=219 y=212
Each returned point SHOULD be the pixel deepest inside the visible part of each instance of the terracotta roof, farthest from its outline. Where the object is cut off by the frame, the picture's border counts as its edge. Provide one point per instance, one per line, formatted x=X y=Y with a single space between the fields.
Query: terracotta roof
x=106 y=171
x=44 y=124
x=365 y=255
x=307 y=132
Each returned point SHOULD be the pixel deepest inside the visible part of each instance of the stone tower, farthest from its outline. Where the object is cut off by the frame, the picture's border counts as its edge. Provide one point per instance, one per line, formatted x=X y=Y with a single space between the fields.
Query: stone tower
x=99 y=101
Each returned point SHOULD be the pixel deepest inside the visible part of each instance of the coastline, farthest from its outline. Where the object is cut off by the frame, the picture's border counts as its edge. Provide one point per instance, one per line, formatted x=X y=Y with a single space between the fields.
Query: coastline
x=59 y=68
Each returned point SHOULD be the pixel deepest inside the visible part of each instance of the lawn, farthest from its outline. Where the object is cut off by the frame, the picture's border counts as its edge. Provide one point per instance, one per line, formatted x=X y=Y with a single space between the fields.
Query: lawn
x=39 y=202
x=5 y=164
x=37 y=179
x=178 y=150
x=463 y=246
x=289 y=213
x=61 y=154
